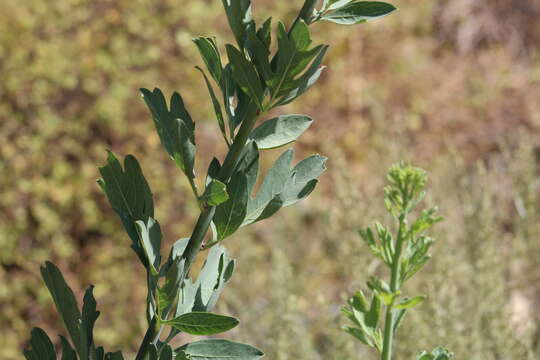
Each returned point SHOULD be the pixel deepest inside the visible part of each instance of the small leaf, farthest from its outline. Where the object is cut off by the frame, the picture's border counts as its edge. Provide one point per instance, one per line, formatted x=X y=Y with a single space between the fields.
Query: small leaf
x=150 y=234
x=167 y=293
x=280 y=131
x=437 y=354
x=230 y=214
x=203 y=323
x=215 y=103
x=210 y=55
x=215 y=194
x=218 y=349
x=409 y=302
x=359 y=12
x=359 y=334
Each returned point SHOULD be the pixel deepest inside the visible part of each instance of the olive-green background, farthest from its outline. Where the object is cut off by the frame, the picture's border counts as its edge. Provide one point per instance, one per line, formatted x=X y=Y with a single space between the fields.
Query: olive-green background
x=451 y=85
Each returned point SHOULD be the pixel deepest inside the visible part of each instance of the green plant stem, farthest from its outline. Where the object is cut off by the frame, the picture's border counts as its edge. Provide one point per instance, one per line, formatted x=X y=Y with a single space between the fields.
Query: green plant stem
x=394 y=287
x=207 y=214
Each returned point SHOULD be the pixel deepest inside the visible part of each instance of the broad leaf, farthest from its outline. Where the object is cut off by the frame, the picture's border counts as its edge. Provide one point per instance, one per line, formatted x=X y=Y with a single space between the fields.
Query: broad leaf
x=218 y=349
x=203 y=323
x=283 y=186
x=359 y=12
x=129 y=195
x=280 y=131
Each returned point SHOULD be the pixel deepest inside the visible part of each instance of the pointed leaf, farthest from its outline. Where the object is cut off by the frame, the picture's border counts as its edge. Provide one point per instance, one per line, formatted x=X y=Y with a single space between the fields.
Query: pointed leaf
x=215 y=103
x=65 y=302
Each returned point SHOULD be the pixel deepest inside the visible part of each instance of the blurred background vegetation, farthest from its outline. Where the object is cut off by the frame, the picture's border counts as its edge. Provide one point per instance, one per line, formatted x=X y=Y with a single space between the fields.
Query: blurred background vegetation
x=451 y=85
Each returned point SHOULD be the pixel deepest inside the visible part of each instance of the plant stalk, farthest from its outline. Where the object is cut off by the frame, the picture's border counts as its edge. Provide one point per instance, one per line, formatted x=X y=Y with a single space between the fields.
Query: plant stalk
x=394 y=287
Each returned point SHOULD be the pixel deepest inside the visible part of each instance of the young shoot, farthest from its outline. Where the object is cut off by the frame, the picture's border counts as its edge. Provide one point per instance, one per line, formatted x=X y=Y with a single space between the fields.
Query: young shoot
x=403 y=252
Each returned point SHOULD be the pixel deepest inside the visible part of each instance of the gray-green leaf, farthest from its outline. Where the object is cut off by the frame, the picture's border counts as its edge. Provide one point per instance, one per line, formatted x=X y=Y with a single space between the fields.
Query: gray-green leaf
x=218 y=349
x=359 y=12
x=150 y=234
x=280 y=131
x=203 y=323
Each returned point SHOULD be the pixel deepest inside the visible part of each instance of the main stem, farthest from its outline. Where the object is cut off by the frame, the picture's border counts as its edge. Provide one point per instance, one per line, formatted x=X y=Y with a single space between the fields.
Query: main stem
x=394 y=286
x=206 y=216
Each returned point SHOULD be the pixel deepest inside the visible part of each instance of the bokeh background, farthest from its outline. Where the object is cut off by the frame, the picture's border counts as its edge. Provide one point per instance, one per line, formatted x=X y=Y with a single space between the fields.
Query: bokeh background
x=450 y=85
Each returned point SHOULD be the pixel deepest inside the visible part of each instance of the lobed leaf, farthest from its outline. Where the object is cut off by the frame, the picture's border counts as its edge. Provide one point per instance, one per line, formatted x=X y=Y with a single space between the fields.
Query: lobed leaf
x=129 y=195
x=175 y=128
